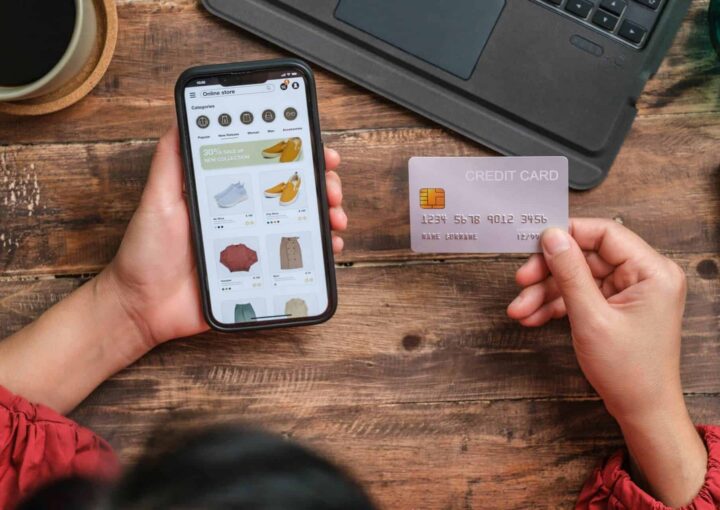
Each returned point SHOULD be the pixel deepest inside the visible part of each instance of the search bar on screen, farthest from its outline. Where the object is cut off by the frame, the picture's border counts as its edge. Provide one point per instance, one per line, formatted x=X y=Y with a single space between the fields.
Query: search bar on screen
x=261 y=88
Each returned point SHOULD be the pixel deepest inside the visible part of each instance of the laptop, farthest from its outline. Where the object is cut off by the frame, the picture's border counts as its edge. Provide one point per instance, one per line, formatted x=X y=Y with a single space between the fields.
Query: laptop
x=523 y=77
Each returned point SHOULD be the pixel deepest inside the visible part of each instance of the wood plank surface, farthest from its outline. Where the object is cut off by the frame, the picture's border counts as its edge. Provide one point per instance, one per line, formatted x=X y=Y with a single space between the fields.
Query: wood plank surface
x=483 y=455
x=158 y=40
x=473 y=455
x=420 y=384
x=65 y=206
x=403 y=334
x=689 y=78
x=447 y=440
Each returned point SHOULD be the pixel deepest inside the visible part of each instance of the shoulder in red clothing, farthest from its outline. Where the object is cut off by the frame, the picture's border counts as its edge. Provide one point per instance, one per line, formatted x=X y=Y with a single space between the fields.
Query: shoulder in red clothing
x=38 y=445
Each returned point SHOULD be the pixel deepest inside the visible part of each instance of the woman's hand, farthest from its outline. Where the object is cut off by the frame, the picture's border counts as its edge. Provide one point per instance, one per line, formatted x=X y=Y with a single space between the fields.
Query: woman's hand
x=625 y=304
x=154 y=274
x=148 y=294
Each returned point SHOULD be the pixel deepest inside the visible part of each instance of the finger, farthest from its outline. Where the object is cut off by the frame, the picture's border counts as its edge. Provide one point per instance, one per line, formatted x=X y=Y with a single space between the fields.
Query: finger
x=338 y=244
x=532 y=298
x=613 y=242
x=599 y=267
x=334 y=189
x=338 y=219
x=332 y=159
x=164 y=187
x=572 y=274
x=608 y=288
x=553 y=310
x=532 y=271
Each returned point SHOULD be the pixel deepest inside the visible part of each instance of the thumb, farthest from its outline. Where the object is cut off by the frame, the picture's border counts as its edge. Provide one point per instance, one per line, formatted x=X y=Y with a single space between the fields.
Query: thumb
x=164 y=187
x=572 y=274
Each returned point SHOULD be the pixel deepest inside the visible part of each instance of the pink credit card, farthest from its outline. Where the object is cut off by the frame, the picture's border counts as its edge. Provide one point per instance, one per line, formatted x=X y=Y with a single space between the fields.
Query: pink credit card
x=486 y=205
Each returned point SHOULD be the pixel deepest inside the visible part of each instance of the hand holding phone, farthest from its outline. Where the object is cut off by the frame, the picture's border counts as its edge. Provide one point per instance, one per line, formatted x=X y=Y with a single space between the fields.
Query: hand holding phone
x=153 y=273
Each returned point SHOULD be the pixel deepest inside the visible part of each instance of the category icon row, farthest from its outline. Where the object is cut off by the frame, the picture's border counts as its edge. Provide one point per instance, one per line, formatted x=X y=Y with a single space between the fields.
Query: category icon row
x=247 y=118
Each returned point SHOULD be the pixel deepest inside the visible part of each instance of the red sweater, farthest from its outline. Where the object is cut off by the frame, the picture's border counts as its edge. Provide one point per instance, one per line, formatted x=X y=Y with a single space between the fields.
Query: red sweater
x=38 y=445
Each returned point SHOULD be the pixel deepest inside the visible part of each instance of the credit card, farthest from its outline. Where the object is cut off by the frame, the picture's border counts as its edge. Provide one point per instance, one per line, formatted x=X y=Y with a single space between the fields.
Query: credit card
x=486 y=205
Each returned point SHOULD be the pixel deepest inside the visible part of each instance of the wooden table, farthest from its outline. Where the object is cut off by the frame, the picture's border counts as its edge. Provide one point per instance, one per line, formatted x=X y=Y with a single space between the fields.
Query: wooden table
x=420 y=384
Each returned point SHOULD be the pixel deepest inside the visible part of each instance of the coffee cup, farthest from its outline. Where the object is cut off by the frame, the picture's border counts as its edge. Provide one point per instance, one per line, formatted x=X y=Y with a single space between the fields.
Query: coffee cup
x=43 y=45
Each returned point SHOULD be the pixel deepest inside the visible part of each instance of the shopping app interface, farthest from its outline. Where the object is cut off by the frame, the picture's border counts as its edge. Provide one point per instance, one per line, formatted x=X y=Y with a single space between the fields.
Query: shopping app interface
x=256 y=193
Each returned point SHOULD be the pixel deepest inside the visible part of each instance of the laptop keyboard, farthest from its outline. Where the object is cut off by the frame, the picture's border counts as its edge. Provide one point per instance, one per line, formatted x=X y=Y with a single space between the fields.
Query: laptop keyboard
x=629 y=21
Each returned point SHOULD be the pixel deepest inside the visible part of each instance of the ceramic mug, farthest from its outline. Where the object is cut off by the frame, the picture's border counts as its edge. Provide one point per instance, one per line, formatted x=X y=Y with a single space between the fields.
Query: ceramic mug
x=70 y=64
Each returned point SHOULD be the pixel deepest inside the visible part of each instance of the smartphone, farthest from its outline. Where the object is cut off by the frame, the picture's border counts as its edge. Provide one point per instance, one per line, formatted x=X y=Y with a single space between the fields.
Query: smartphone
x=255 y=186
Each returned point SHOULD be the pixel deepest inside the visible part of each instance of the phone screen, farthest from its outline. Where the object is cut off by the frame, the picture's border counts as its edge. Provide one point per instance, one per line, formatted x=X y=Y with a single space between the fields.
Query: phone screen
x=256 y=186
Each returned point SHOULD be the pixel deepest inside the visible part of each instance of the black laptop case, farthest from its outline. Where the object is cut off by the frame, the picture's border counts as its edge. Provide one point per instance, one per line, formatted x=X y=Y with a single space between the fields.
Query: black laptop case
x=545 y=81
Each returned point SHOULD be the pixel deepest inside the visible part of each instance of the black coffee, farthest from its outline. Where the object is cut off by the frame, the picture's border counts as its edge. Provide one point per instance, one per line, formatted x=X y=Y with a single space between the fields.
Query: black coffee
x=34 y=35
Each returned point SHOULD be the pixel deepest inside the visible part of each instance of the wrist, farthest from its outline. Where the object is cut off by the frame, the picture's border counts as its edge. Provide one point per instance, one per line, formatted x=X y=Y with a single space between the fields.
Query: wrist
x=669 y=409
x=73 y=347
x=637 y=404
x=668 y=459
x=123 y=320
x=658 y=425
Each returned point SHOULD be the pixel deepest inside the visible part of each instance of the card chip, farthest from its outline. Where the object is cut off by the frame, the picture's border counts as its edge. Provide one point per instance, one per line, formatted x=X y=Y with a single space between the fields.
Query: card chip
x=432 y=198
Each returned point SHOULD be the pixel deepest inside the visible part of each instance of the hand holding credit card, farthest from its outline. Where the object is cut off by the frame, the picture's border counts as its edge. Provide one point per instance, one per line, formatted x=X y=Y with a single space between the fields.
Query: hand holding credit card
x=486 y=205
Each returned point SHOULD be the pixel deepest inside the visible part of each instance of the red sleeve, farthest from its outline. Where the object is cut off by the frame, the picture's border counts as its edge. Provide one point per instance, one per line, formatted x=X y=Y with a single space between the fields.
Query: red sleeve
x=610 y=486
x=38 y=445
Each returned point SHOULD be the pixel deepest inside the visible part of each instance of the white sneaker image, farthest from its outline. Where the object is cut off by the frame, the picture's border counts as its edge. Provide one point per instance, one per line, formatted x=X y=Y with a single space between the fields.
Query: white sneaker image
x=232 y=195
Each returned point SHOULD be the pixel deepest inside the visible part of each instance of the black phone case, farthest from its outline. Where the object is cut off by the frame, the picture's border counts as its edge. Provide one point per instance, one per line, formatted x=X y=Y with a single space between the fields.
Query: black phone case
x=319 y=167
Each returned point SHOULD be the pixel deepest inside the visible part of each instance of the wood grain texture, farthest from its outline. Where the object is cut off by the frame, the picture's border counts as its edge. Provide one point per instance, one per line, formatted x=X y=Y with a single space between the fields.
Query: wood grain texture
x=402 y=334
x=158 y=40
x=689 y=78
x=340 y=395
x=474 y=455
x=420 y=384
x=65 y=206
x=444 y=411
x=479 y=455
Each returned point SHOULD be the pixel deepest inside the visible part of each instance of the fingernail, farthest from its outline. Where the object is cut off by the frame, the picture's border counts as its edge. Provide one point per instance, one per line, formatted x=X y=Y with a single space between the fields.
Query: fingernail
x=555 y=241
x=515 y=302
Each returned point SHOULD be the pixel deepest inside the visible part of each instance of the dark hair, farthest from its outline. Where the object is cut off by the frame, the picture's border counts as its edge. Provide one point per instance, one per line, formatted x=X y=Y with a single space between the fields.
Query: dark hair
x=219 y=468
